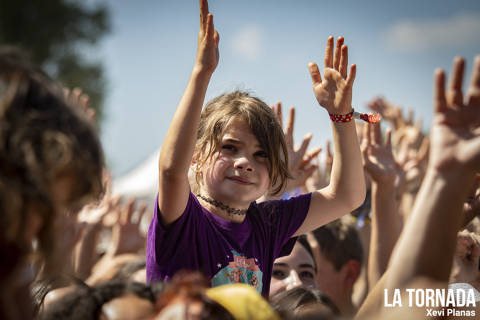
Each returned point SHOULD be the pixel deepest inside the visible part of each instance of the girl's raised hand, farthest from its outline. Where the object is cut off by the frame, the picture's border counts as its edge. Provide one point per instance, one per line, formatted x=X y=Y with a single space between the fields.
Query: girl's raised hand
x=334 y=93
x=207 y=50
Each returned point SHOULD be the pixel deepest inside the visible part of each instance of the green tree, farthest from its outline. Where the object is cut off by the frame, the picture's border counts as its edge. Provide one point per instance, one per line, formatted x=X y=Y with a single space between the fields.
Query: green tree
x=55 y=33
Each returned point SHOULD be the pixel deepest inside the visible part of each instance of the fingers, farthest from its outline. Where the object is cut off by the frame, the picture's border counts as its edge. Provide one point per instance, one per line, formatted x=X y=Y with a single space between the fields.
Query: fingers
x=314 y=74
x=366 y=133
x=216 y=37
x=328 y=60
x=303 y=147
x=311 y=155
x=203 y=15
x=377 y=105
x=454 y=94
x=411 y=116
x=344 y=62
x=289 y=128
x=141 y=211
x=388 y=139
x=376 y=133
x=210 y=36
x=439 y=100
x=127 y=212
x=423 y=150
x=473 y=95
x=351 y=76
x=277 y=109
x=338 y=49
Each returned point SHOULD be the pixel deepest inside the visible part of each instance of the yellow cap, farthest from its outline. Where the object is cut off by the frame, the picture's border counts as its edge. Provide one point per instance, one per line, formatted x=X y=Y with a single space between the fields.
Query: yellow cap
x=242 y=301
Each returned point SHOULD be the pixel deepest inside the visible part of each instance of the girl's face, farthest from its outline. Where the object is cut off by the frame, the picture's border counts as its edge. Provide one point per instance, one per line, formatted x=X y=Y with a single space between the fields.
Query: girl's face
x=294 y=270
x=237 y=173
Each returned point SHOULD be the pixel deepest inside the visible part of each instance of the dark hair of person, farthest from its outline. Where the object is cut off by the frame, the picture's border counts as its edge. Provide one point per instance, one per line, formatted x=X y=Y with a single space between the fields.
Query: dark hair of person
x=85 y=303
x=339 y=243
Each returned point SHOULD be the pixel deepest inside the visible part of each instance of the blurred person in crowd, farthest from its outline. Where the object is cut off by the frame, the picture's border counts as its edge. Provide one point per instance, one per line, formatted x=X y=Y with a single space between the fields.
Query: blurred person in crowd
x=51 y=161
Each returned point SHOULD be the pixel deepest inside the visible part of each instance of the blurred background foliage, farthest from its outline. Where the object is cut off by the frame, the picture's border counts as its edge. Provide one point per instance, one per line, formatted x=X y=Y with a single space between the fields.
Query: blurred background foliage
x=56 y=35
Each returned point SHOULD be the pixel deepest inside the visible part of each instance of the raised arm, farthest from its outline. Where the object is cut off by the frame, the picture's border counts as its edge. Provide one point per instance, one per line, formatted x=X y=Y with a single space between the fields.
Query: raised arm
x=346 y=189
x=454 y=161
x=178 y=146
x=386 y=225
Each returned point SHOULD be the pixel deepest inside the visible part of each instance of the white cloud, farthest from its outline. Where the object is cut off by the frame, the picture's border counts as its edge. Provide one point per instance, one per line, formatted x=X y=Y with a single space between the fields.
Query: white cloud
x=247 y=42
x=424 y=35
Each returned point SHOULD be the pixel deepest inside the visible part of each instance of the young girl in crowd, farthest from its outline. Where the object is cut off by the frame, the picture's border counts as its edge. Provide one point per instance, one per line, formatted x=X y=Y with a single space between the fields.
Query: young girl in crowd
x=236 y=152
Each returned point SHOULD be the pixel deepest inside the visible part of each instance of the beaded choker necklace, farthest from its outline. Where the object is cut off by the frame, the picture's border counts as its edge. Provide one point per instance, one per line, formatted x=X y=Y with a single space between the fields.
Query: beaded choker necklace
x=223 y=206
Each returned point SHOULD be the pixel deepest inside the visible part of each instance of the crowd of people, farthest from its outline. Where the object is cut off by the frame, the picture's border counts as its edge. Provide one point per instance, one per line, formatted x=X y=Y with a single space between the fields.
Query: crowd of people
x=245 y=225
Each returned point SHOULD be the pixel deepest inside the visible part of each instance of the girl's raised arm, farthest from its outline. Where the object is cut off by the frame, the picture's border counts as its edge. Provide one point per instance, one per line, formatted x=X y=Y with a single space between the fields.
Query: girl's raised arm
x=178 y=146
x=346 y=190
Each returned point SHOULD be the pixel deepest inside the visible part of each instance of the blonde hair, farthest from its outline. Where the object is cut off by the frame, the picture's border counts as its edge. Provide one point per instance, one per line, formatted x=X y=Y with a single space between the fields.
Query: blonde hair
x=217 y=115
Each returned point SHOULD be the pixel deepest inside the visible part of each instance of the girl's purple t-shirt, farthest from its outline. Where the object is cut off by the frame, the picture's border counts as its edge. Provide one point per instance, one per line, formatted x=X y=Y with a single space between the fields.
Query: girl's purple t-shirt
x=225 y=251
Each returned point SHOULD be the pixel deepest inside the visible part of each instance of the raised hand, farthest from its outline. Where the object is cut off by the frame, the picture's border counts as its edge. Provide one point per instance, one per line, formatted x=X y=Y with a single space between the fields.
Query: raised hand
x=126 y=234
x=208 y=38
x=80 y=100
x=300 y=161
x=377 y=157
x=455 y=138
x=334 y=92
x=388 y=111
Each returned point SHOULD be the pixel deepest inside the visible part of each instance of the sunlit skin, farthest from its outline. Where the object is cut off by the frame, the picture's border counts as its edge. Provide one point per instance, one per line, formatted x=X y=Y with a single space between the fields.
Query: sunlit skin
x=294 y=270
x=181 y=309
x=237 y=173
x=127 y=307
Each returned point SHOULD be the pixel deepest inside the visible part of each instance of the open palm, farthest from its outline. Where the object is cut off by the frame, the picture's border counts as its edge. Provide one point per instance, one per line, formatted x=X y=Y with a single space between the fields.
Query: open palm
x=334 y=92
x=455 y=137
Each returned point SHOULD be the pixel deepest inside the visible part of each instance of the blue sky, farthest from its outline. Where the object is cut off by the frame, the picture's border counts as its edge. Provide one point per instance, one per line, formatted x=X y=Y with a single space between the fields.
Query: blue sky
x=265 y=47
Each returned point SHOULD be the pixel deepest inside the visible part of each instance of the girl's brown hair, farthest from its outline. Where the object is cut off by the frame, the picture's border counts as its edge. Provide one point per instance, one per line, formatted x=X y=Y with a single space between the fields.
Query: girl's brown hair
x=217 y=115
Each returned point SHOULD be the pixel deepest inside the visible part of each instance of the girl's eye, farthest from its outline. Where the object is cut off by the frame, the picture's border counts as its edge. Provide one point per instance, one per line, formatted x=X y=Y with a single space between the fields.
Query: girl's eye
x=306 y=275
x=261 y=154
x=278 y=274
x=229 y=147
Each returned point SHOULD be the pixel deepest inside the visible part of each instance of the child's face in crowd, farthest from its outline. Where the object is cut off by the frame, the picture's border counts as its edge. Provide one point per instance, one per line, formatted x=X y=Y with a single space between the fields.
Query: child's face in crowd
x=237 y=173
x=294 y=270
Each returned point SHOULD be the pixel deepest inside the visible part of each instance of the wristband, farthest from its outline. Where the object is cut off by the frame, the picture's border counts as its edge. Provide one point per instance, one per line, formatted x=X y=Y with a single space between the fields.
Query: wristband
x=370 y=118
x=341 y=117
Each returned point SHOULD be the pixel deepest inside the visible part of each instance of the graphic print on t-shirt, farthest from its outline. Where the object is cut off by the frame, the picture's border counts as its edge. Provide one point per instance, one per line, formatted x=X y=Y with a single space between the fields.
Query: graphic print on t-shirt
x=240 y=270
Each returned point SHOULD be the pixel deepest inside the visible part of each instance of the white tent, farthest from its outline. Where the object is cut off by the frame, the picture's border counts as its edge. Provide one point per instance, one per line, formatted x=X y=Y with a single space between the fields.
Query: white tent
x=141 y=182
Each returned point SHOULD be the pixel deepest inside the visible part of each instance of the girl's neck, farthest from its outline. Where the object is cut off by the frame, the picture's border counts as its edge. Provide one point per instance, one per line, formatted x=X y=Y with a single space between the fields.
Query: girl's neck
x=221 y=209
